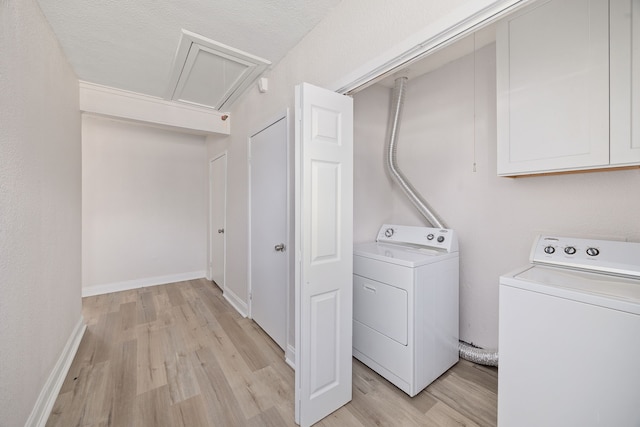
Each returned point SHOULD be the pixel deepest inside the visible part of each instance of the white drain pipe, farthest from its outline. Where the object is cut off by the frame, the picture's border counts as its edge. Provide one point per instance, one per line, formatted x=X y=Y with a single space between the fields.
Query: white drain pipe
x=467 y=351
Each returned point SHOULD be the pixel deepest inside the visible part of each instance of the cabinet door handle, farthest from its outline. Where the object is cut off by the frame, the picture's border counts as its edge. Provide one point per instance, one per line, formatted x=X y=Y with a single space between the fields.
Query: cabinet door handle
x=280 y=247
x=220 y=230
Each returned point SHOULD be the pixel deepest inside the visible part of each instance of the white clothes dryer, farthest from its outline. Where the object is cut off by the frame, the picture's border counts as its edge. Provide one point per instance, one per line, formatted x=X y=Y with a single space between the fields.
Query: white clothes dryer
x=405 y=304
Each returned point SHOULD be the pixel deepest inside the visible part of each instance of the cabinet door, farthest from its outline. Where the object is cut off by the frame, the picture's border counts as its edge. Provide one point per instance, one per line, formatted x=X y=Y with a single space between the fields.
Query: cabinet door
x=625 y=81
x=553 y=87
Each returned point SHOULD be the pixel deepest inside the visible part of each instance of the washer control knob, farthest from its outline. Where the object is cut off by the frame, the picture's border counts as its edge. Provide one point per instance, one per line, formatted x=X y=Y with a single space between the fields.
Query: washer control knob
x=430 y=236
x=388 y=232
x=440 y=239
x=549 y=250
x=593 y=251
x=569 y=250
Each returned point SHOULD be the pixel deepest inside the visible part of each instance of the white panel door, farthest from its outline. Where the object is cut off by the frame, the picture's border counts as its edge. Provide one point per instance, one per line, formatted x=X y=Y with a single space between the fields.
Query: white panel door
x=625 y=81
x=218 y=215
x=324 y=241
x=269 y=225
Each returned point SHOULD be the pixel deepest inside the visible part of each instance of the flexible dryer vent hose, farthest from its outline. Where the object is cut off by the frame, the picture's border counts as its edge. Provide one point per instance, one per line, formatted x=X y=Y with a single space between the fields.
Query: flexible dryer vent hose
x=477 y=355
x=467 y=351
x=392 y=161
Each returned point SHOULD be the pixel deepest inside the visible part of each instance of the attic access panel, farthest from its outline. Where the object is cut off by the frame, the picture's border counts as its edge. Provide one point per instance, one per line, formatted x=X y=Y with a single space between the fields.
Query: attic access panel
x=211 y=74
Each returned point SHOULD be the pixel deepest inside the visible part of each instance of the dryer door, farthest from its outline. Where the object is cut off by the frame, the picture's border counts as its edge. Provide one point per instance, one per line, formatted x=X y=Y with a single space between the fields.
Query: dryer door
x=381 y=307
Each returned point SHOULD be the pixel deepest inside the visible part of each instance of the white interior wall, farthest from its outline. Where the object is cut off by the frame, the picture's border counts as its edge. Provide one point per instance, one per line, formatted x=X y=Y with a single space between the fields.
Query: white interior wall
x=372 y=190
x=355 y=35
x=144 y=205
x=496 y=218
x=40 y=281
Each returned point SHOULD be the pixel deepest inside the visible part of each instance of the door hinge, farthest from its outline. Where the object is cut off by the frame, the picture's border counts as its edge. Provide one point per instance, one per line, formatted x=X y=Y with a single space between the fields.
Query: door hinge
x=250 y=296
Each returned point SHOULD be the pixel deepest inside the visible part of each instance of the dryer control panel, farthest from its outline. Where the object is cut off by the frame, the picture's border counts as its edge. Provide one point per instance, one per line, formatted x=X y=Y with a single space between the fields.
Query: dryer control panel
x=434 y=238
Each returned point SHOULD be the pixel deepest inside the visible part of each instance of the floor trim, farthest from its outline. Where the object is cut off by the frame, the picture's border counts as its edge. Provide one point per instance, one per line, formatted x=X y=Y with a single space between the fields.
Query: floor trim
x=290 y=356
x=240 y=306
x=140 y=283
x=49 y=392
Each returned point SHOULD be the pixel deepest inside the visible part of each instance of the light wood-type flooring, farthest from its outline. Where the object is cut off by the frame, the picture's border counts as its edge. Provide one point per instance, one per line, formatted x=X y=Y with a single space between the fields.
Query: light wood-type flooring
x=179 y=355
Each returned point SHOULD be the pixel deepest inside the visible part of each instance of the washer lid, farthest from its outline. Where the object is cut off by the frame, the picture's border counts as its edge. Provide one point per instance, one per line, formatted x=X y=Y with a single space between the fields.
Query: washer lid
x=619 y=293
x=408 y=256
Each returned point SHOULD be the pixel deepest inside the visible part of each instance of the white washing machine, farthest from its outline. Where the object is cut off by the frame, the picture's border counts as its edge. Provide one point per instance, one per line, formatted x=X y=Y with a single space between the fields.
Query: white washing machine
x=570 y=336
x=405 y=304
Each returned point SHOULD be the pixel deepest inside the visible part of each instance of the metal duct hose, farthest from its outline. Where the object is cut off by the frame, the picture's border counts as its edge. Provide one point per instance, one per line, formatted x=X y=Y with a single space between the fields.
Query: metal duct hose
x=477 y=355
x=392 y=161
x=467 y=351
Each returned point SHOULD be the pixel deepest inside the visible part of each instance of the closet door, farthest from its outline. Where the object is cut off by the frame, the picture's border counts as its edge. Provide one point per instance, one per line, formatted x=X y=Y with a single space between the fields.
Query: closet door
x=553 y=87
x=324 y=245
x=625 y=81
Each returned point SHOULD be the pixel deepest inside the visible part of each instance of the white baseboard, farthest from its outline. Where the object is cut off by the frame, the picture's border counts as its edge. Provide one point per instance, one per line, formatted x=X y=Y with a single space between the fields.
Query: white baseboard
x=49 y=392
x=140 y=283
x=290 y=356
x=240 y=306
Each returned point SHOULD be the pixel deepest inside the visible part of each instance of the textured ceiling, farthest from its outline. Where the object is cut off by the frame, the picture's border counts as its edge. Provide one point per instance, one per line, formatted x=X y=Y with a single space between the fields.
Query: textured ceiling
x=131 y=44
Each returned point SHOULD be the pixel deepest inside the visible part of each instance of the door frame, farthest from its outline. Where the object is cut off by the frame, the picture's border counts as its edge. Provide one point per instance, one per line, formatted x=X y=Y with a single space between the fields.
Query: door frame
x=210 y=221
x=285 y=115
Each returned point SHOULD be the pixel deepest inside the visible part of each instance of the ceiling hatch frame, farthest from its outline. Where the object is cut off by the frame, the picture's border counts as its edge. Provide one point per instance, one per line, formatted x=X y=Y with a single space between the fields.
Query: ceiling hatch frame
x=195 y=49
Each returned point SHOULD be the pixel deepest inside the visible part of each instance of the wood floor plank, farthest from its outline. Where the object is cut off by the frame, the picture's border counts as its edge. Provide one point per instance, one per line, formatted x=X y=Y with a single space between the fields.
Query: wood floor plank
x=187 y=314
x=124 y=384
x=250 y=352
x=180 y=375
x=191 y=413
x=484 y=375
x=214 y=303
x=189 y=292
x=269 y=418
x=270 y=349
x=89 y=402
x=164 y=309
x=339 y=418
x=128 y=320
x=146 y=307
x=189 y=328
x=128 y=296
x=205 y=314
x=246 y=387
x=278 y=389
x=61 y=408
x=442 y=415
x=217 y=393
x=108 y=338
x=175 y=294
x=115 y=299
x=151 y=370
x=181 y=355
x=467 y=398
x=91 y=309
x=153 y=408
x=365 y=380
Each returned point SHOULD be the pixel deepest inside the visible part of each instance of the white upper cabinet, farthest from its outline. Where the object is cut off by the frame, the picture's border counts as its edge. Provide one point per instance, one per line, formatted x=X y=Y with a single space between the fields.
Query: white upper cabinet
x=625 y=82
x=553 y=87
